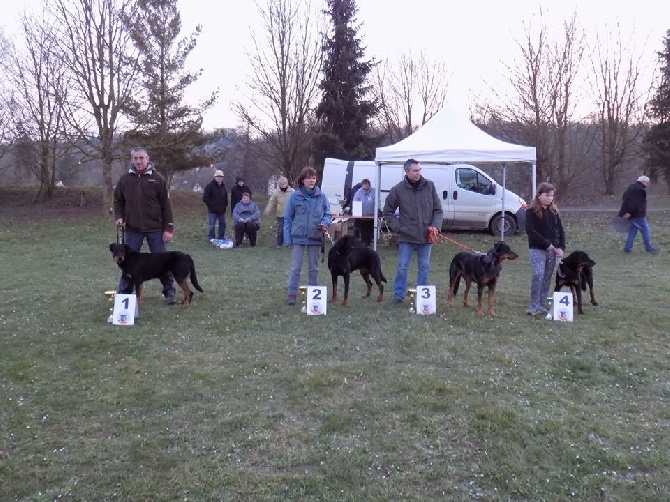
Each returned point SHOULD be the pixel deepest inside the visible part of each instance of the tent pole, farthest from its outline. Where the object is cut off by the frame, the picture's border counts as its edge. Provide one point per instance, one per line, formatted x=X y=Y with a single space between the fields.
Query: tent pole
x=378 y=176
x=502 y=221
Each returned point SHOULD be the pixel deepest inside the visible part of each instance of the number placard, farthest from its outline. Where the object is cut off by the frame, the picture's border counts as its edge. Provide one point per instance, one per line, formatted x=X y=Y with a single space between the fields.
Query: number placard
x=317 y=300
x=125 y=309
x=561 y=306
x=425 y=300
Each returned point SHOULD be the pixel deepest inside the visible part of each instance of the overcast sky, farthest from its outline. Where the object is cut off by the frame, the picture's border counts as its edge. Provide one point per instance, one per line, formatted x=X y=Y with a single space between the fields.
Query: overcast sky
x=474 y=38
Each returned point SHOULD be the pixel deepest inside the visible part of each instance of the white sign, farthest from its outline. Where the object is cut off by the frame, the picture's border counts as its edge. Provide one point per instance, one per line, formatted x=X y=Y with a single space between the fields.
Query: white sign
x=125 y=309
x=561 y=306
x=425 y=300
x=317 y=300
x=357 y=208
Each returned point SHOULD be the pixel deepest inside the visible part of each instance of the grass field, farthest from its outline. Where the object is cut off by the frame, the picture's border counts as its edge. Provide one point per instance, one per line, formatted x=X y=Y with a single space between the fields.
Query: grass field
x=243 y=398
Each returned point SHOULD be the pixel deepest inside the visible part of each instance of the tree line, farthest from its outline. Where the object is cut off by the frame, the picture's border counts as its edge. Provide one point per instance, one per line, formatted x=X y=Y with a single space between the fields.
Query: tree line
x=91 y=78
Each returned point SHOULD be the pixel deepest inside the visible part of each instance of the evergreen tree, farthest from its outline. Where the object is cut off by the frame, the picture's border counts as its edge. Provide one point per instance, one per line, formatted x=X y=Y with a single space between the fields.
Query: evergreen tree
x=164 y=124
x=657 y=140
x=344 y=112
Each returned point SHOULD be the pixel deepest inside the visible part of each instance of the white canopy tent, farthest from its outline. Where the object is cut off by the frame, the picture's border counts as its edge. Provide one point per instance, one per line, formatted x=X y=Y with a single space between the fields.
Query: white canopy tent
x=448 y=138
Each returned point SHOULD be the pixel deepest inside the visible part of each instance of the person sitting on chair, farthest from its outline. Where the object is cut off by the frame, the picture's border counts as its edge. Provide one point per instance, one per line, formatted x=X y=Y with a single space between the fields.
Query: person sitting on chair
x=245 y=216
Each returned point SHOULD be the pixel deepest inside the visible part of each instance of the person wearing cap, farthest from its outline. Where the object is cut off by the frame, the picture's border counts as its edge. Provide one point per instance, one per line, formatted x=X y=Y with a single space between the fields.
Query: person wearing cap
x=634 y=209
x=142 y=207
x=277 y=205
x=237 y=191
x=215 y=198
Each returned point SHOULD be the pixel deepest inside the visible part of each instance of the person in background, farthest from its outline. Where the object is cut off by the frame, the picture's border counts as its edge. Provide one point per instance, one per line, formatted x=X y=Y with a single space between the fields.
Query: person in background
x=546 y=243
x=143 y=208
x=245 y=216
x=306 y=218
x=237 y=191
x=634 y=209
x=420 y=214
x=215 y=197
x=277 y=205
x=366 y=195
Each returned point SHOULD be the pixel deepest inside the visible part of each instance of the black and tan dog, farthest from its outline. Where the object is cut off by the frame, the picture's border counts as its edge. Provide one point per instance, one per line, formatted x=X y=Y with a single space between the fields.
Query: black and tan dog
x=576 y=271
x=483 y=269
x=140 y=267
x=348 y=255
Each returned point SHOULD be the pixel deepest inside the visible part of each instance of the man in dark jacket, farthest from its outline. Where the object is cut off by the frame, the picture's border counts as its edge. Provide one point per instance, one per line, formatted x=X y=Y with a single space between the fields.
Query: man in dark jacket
x=142 y=206
x=237 y=191
x=420 y=211
x=215 y=198
x=634 y=209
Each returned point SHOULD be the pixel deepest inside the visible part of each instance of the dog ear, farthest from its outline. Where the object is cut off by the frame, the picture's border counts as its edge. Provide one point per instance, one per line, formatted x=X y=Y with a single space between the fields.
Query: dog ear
x=111 y=247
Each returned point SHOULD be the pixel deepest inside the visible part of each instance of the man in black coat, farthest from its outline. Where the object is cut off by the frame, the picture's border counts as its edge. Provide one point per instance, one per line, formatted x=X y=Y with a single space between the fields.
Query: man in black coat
x=237 y=191
x=215 y=198
x=634 y=209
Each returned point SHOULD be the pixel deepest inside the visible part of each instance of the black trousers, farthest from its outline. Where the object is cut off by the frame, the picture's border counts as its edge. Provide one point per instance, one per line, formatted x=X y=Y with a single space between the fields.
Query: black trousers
x=250 y=228
x=366 y=229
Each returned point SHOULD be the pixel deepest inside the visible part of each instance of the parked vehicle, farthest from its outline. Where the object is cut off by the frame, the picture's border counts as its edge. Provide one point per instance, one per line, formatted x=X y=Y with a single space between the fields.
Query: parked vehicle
x=471 y=199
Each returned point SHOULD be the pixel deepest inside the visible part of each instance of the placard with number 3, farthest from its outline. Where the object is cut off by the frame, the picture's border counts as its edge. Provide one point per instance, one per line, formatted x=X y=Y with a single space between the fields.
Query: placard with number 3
x=425 y=300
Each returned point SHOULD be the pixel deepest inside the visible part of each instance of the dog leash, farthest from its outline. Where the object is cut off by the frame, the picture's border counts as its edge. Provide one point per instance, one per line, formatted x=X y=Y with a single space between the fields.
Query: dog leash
x=120 y=235
x=467 y=248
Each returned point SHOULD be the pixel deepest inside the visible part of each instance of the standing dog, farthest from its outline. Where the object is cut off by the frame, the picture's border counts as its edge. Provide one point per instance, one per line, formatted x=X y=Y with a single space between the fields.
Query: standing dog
x=139 y=267
x=479 y=268
x=576 y=271
x=348 y=255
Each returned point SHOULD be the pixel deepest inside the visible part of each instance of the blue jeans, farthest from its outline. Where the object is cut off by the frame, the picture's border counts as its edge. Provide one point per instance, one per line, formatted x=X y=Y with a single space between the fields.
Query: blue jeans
x=156 y=245
x=641 y=225
x=221 y=218
x=296 y=264
x=405 y=251
x=542 y=268
x=279 y=239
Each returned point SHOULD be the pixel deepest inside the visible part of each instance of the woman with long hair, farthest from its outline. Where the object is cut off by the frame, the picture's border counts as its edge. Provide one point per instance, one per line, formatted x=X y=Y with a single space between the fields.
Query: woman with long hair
x=546 y=243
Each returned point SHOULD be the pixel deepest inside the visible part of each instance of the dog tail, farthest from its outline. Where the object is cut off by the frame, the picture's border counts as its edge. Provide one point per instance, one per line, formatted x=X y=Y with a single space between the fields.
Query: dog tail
x=379 y=263
x=194 y=278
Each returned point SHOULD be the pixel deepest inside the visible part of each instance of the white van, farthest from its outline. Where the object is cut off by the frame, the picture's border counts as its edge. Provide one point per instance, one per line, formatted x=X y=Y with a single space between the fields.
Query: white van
x=471 y=199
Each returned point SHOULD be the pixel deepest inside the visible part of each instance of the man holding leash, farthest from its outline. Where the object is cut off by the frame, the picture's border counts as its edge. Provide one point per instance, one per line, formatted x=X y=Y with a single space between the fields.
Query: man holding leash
x=142 y=207
x=634 y=209
x=420 y=214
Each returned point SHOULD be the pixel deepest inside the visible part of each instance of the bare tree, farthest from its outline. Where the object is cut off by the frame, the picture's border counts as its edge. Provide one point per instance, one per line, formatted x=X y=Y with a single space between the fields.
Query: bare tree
x=5 y=51
x=409 y=91
x=285 y=64
x=35 y=73
x=541 y=108
x=95 y=47
x=615 y=80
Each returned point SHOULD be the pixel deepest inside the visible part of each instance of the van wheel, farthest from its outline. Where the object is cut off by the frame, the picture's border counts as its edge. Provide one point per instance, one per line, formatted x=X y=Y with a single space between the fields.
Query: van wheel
x=495 y=226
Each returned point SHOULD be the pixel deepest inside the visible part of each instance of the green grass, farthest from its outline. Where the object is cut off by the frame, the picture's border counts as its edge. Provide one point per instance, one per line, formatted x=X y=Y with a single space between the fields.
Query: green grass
x=243 y=398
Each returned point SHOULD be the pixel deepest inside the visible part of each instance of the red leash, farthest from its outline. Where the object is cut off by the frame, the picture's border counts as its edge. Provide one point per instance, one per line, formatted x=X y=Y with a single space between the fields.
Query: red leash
x=434 y=236
x=468 y=248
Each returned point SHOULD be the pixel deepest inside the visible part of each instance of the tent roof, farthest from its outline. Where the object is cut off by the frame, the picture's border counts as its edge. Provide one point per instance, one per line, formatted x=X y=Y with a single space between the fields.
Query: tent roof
x=447 y=137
